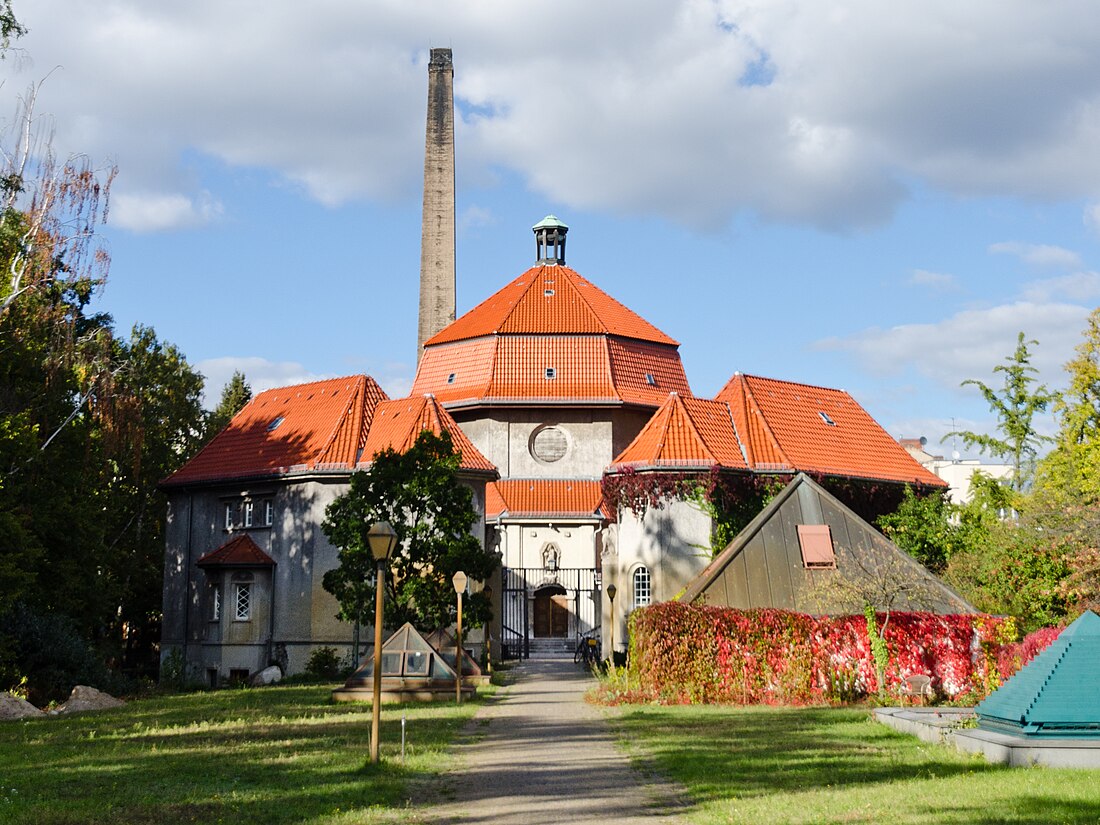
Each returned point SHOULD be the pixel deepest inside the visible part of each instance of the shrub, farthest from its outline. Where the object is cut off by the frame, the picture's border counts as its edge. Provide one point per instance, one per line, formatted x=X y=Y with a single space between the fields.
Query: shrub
x=324 y=663
x=1012 y=657
x=47 y=657
x=694 y=653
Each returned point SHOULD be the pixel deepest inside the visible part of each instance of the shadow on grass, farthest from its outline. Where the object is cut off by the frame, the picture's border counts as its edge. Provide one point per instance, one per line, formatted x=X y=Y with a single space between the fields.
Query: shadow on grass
x=271 y=755
x=747 y=752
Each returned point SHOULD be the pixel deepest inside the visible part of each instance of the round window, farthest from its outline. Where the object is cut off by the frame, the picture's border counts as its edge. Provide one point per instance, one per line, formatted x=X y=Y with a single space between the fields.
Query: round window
x=549 y=444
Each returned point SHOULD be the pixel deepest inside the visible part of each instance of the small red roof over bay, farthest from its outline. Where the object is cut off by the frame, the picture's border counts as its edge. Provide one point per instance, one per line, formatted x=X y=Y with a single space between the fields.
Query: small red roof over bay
x=320 y=425
x=239 y=551
x=544 y=498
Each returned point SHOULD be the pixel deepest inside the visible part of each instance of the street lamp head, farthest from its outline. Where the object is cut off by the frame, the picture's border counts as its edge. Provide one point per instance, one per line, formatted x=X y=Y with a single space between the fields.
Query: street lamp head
x=611 y=591
x=459 y=581
x=381 y=537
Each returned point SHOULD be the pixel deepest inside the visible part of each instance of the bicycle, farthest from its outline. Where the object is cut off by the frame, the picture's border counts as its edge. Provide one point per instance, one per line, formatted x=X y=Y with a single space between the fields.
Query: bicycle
x=588 y=649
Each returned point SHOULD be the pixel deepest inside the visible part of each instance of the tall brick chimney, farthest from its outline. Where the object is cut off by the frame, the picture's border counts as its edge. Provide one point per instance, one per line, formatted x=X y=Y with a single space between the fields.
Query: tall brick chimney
x=437 y=243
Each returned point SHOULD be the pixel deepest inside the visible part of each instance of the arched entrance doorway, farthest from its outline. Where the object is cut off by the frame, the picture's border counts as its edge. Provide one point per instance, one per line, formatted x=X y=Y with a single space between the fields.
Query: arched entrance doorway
x=551 y=612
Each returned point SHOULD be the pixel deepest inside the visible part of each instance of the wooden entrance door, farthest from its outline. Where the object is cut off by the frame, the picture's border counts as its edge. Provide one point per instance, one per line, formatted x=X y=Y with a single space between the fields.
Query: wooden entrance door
x=551 y=613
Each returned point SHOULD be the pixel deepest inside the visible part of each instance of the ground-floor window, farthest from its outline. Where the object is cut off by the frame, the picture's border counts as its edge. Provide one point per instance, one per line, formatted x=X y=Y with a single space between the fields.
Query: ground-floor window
x=643 y=589
x=242 y=602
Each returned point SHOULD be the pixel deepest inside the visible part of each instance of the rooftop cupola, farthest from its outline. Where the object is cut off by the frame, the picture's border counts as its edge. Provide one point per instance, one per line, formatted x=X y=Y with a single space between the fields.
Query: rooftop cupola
x=550 y=240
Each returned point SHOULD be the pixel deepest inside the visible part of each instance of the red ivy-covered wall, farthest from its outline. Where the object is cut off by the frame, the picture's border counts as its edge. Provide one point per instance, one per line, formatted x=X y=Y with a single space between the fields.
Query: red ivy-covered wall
x=697 y=654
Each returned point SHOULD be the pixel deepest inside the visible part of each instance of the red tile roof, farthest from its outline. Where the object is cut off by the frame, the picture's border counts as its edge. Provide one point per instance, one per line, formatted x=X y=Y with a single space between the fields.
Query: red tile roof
x=397 y=423
x=687 y=432
x=786 y=425
x=543 y=498
x=320 y=425
x=239 y=551
x=585 y=369
x=550 y=318
x=550 y=298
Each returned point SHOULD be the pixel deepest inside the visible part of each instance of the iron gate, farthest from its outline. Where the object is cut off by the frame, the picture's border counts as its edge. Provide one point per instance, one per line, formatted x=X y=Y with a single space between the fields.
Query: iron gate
x=581 y=585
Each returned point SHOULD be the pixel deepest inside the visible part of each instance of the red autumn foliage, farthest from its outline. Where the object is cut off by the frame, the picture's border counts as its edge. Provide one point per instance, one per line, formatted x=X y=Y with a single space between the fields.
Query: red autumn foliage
x=1014 y=656
x=698 y=654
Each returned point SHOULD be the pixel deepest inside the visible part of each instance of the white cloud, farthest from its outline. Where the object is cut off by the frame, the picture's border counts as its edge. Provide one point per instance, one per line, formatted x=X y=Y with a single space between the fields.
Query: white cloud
x=970 y=343
x=692 y=110
x=475 y=217
x=1092 y=216
x=1038 y=254
x=934 y=280
x=260 y=373
x=1080 y=286
x=153 y=212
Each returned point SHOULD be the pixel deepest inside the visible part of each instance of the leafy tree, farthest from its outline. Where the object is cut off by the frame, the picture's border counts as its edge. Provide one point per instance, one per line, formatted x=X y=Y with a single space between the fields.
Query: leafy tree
x=235 y=394
x=1070 y=474
x=90 y=422
x=922 y=526
x=10 y=27
x=420 y=494
x=1015 y=406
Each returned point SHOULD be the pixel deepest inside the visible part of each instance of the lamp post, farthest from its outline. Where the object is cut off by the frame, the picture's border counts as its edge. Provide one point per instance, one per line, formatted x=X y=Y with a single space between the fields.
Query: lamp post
x=611 y=591
x=459 y=581
x=488 y=591
x=381 y=538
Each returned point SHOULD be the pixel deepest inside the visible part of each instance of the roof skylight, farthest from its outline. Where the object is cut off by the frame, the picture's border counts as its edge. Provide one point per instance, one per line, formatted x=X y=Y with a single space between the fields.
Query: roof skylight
x=275 y=423
x=826 y=419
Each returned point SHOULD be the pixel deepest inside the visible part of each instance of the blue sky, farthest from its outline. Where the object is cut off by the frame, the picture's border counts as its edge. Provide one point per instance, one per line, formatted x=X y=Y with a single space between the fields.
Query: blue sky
x=862 y=195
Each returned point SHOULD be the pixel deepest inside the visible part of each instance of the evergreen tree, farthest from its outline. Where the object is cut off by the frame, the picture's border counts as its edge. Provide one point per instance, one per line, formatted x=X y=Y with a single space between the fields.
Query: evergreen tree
x=1015 y=406
x=235 y=394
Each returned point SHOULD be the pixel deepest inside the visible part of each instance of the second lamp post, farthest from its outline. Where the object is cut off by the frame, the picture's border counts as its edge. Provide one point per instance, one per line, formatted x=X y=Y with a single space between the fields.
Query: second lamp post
x=381 y=538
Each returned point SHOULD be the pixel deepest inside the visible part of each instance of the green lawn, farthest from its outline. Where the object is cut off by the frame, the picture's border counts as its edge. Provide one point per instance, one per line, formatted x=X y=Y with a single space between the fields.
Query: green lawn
x=281 y=754
x=823 y=765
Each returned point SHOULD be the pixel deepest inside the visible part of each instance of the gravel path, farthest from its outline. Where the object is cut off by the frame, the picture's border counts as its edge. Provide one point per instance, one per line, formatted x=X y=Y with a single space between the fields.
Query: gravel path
x=540 y=753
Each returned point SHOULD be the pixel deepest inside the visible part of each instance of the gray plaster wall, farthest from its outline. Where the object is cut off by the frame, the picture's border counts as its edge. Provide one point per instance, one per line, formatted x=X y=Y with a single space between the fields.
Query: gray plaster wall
x=292 y=612
x=594 y=435
x=673 y=542
x=522 y=543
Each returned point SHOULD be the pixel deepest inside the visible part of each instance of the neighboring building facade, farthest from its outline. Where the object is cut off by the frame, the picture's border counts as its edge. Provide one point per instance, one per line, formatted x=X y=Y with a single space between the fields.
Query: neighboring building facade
x=245 y=553
x=956 y=472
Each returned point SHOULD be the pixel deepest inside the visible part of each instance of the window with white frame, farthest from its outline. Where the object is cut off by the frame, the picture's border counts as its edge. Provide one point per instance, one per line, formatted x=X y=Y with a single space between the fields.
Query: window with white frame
x=643 y=588
x=248 y=510
x=229 y=515
x=242 y=602
x=269 y=513
x=216 y=605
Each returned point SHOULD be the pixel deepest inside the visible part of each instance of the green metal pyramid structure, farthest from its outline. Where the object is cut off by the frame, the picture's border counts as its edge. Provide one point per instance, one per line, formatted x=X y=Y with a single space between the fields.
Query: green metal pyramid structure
x=1055 y=694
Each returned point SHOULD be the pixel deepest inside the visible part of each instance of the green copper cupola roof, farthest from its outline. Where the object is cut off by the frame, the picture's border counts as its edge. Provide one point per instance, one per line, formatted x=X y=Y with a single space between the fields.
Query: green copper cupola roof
x=1055 y=694
x=550 y=240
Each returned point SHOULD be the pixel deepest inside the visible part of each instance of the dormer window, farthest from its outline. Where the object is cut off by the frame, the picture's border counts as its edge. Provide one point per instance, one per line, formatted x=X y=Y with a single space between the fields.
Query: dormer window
x=826 y=419
x=551 y=373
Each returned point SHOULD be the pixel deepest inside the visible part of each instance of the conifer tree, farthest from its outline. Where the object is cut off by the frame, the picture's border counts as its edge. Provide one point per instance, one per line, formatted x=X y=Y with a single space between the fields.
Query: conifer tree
x=1016 y=406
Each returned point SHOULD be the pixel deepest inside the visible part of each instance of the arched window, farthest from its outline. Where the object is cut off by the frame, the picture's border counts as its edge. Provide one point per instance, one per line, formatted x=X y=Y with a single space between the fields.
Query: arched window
x=643 y=589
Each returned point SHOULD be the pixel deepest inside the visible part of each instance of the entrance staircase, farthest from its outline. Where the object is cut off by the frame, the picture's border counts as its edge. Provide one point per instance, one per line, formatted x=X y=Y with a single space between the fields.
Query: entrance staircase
x=552 y=648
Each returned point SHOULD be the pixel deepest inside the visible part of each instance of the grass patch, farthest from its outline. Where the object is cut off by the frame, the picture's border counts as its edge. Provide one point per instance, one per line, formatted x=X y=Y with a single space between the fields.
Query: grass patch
x=272 y=755
x=836 y=765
